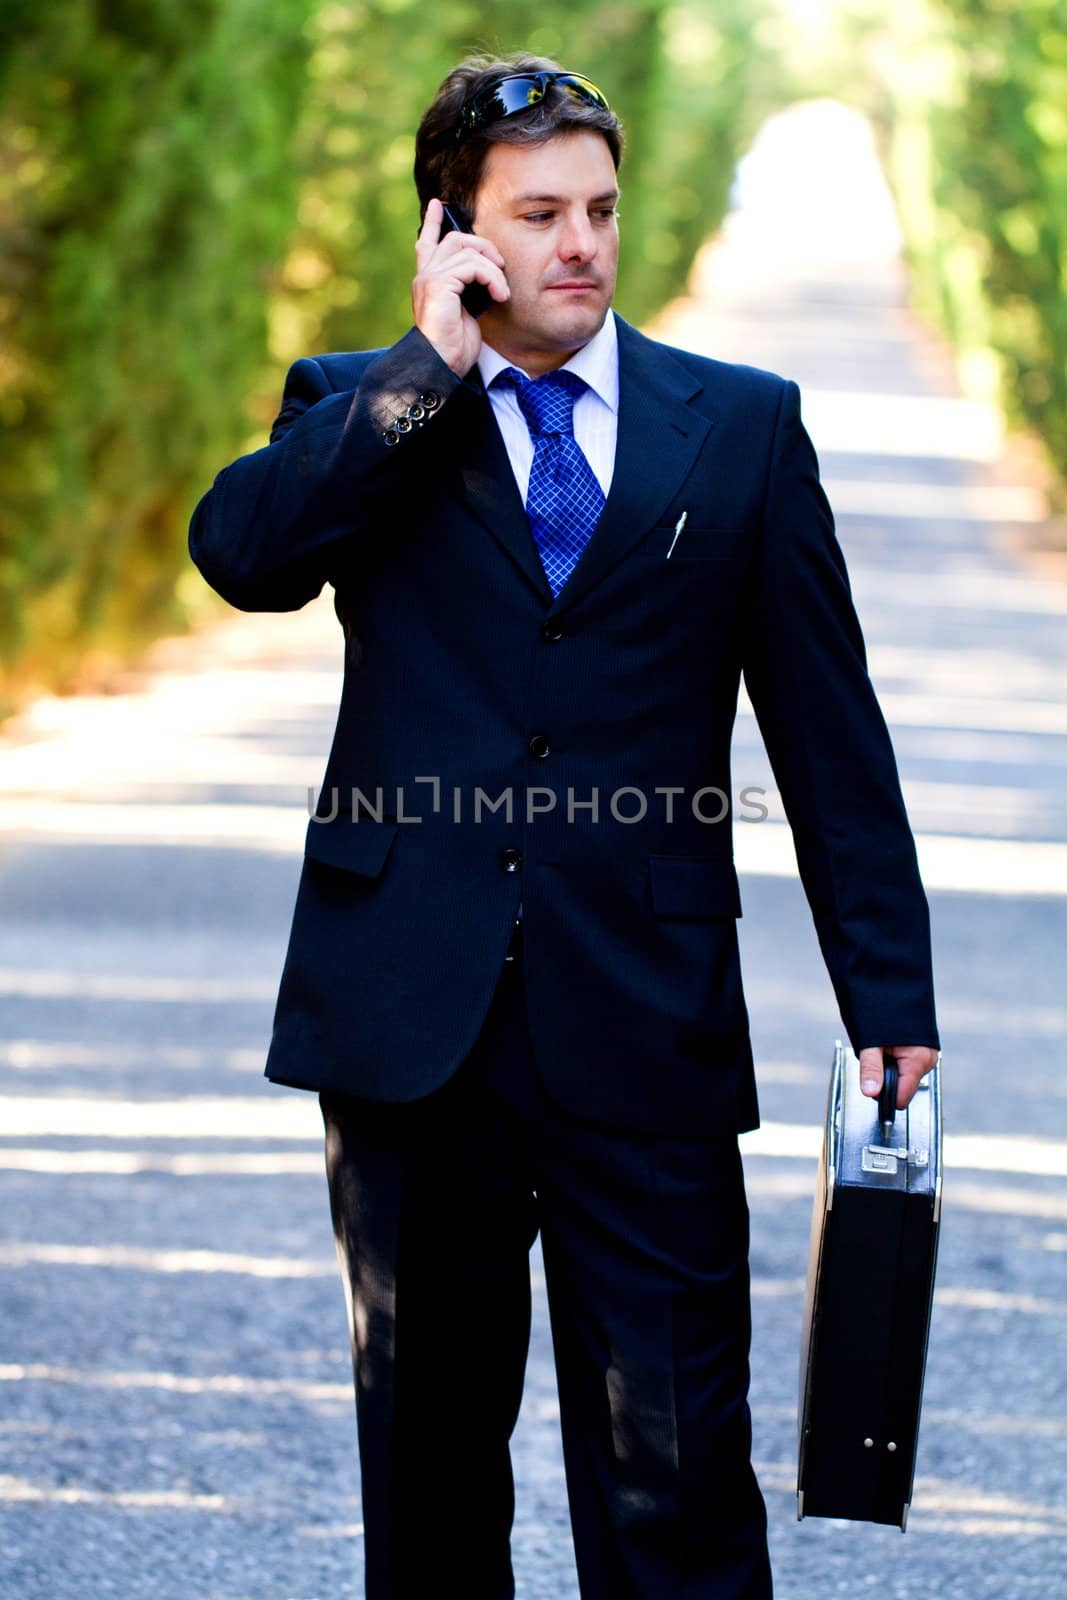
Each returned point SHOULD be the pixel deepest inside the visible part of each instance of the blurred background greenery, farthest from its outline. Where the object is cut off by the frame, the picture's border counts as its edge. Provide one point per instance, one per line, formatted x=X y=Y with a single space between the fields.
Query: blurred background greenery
x=195 y=192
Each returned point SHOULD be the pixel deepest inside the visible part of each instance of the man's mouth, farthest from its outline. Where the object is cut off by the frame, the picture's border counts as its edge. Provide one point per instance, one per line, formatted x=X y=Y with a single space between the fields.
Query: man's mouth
x=576 y=283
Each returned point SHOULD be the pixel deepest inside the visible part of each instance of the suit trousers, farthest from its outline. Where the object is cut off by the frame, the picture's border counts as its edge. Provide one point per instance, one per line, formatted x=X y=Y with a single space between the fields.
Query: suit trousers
x=435 y=1205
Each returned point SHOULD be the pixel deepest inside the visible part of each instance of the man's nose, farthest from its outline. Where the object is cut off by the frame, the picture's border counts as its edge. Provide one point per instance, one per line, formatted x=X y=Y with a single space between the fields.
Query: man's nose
x=578 y=241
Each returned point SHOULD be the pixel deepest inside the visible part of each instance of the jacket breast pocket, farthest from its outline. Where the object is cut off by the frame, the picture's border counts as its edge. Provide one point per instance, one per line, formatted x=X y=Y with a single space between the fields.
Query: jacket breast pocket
x=694 y=886
x=698 y=542
x=360 y=846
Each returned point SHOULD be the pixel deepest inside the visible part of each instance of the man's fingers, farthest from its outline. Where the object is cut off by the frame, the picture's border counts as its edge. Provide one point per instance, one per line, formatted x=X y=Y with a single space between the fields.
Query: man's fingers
x=457 y=243
x=471 y=266
x=493 y=278
x=430 y=232
x=453 y=243
x=913 y=1062
x=911 y=1074
x=871 y=1073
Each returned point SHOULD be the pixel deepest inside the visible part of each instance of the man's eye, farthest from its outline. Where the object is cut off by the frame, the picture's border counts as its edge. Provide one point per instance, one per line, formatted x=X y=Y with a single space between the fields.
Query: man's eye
x=607 y=211
x=538 y=216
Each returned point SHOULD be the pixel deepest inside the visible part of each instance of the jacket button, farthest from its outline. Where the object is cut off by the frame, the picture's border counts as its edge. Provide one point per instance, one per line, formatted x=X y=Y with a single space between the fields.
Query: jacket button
x=390 y=436
x=551 y=631
x=511 y=860
x=539 y=745
x=430 y=400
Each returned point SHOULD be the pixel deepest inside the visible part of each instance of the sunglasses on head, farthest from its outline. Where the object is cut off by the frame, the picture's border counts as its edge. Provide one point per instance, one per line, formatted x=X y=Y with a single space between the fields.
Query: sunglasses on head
x=518 y=92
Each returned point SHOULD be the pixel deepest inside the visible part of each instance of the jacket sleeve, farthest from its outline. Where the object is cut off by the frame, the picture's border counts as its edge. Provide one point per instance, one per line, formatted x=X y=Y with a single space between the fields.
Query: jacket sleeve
x=806 y=674
x=269 y=531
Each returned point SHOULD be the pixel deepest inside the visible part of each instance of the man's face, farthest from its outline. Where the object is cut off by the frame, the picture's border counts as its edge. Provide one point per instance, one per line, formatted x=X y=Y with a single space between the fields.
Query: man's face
x=550 y=211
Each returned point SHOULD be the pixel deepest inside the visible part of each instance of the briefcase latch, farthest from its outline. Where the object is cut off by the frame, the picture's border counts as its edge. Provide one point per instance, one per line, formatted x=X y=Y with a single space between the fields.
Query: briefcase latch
x=881 y=1158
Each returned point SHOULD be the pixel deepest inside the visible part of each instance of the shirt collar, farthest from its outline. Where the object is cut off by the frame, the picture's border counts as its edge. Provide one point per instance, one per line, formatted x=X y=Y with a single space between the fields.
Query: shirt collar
x=597 y=362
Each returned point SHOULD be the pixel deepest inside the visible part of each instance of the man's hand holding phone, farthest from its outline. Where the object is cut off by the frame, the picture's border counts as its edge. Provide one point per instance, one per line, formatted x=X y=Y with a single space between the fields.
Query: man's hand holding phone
x=448 y=262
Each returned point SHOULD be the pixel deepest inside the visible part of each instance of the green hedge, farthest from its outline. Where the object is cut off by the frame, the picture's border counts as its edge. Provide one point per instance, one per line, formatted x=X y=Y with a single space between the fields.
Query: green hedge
x=194 y=194
x=147 y=189
x=979 y=165
x=678 y=74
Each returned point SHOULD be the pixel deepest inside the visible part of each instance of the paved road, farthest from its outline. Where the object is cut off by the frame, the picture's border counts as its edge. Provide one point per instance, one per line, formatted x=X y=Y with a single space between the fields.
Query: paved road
x=175 y=1404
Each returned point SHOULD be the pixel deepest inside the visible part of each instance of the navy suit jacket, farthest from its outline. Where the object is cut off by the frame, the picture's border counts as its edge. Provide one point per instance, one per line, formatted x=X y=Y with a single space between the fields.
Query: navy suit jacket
x=387 y=477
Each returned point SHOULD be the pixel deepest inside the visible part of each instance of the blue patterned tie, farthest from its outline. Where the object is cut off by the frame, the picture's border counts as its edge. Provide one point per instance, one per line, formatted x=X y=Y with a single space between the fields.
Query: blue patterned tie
x=564 y=500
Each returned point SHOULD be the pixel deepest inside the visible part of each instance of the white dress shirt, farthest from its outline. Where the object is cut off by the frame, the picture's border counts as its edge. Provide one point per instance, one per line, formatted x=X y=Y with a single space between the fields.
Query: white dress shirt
x=596 y=410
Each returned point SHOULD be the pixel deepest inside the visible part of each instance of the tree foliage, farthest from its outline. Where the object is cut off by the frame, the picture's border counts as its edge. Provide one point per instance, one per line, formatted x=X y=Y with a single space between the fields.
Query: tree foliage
x=146 y=195
x=978 y=149
x=677 y=74
x=194 y=194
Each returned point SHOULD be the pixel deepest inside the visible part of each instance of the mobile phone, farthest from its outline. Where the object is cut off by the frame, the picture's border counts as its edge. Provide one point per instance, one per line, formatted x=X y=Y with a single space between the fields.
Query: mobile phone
x=475 y=297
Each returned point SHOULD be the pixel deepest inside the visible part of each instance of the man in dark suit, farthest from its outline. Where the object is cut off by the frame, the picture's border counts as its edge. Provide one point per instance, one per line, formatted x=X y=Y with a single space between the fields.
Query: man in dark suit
x=513 y=971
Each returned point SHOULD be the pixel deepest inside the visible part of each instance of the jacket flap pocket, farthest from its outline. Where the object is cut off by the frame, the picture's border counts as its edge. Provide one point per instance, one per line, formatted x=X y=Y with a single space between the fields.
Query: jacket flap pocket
x=694 y=886
x=356 y=846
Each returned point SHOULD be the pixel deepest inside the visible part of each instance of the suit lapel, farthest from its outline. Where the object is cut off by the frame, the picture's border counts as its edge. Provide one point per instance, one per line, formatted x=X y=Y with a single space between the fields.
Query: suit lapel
x=659 y=437
x=487 y=483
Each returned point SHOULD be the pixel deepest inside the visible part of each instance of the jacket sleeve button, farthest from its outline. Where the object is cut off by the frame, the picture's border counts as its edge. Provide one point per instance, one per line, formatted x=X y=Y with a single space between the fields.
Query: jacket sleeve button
x=391 y=436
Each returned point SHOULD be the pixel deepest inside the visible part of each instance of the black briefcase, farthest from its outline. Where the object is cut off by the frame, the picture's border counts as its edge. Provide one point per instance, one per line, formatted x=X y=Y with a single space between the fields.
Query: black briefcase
x=870 y=1285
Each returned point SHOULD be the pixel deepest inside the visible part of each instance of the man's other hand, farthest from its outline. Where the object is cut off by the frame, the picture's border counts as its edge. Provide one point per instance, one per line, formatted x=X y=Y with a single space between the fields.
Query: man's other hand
x=914 y=1061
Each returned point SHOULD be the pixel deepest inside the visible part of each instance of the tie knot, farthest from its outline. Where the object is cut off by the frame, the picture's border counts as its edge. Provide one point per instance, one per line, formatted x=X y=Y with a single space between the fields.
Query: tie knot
x=547 y=402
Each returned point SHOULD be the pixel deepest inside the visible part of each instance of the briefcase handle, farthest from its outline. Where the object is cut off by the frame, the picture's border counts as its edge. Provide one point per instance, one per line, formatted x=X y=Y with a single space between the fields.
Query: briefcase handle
x=887 y=1099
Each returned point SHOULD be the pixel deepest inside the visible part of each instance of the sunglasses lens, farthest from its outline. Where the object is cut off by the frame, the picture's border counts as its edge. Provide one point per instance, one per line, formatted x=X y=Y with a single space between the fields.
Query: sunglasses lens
x=521 y=91
x=582 y=89
x=504 y=99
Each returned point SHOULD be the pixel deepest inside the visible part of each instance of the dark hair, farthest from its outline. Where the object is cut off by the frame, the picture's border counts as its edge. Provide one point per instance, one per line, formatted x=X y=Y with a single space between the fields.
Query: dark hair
x=453 y=171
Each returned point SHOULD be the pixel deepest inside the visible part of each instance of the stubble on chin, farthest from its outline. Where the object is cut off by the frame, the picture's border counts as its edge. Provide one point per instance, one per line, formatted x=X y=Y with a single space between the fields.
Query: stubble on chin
x=534 y=326
x=578 y=323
